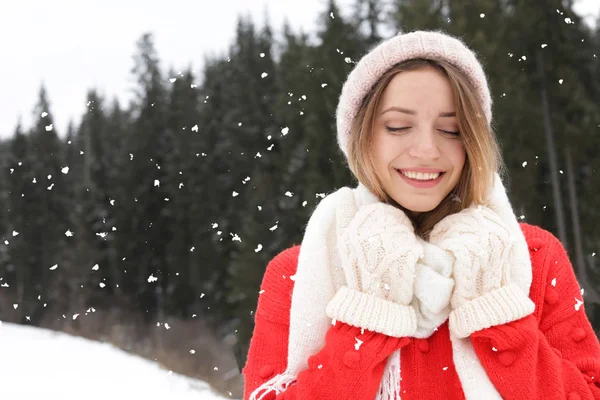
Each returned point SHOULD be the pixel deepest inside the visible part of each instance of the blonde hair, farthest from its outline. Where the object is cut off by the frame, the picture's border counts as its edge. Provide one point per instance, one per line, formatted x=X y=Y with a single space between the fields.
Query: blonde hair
x=483 y=156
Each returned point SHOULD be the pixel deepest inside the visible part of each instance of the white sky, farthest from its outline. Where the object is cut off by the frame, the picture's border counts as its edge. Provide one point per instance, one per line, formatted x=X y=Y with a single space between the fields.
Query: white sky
x=73 y=45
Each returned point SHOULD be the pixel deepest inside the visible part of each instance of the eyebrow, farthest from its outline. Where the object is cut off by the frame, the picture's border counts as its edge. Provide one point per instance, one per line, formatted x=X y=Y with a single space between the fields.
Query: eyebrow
x=413 y=112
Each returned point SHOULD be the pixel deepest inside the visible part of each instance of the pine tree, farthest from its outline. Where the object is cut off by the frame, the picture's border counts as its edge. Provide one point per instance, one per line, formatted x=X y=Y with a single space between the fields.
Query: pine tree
x=143 y=226
x=50 y=209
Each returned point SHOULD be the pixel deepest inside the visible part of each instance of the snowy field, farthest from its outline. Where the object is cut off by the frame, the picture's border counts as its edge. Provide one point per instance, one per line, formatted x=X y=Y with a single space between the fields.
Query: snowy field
x=42 y=364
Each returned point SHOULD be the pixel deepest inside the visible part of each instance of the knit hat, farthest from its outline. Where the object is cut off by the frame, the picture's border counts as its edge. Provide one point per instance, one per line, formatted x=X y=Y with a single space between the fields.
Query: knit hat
x=431 y=45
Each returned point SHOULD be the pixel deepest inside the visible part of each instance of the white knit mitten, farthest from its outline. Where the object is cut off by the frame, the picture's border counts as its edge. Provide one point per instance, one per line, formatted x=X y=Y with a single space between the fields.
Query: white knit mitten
x=432 y=289
x=378 y=251
x=486 y=291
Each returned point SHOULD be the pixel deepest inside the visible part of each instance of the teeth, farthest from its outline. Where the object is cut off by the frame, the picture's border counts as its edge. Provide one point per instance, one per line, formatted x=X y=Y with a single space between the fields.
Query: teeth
x=421 y=176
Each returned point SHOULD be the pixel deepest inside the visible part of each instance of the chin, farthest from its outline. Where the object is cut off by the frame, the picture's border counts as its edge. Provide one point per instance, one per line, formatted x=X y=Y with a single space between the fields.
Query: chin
x=417 y=206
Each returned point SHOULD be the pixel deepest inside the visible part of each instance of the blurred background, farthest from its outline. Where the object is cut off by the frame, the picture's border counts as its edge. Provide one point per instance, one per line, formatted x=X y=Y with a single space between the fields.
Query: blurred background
x=155 y=156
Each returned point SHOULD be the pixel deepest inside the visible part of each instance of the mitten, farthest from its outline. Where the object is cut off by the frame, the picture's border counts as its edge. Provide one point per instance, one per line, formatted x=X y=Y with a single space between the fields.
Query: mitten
x=486 y=264
x=378 y=252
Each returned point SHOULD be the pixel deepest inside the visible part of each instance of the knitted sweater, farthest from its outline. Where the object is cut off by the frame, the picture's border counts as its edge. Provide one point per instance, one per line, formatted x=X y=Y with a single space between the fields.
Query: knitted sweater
x=551 y=354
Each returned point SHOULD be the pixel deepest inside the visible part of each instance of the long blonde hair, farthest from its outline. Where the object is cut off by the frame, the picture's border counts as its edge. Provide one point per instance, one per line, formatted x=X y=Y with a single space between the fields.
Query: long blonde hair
x=483 y=155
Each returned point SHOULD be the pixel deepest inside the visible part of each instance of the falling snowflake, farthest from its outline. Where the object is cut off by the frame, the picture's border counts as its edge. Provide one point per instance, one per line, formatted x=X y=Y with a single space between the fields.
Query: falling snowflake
x=49 y=128
x=578 y=304
x=65 y=170
x=264 y=75
x=553 y=283
x=285 y=131
x=152 y=278
x=358 y=343
x=258 y=248
x=95 y=267
x=52 y=268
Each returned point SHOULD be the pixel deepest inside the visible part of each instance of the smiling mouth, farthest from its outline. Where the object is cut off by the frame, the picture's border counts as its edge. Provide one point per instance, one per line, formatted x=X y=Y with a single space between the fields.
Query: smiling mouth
x=421 y=176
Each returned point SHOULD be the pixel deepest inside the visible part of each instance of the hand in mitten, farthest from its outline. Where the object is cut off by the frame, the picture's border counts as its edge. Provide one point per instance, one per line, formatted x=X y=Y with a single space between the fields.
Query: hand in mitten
x=378 y=252
x=486 y=292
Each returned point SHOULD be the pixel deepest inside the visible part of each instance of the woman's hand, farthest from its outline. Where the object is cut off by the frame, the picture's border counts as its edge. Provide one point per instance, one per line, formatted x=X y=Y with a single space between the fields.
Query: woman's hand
x=378 y=252
x=485 y=293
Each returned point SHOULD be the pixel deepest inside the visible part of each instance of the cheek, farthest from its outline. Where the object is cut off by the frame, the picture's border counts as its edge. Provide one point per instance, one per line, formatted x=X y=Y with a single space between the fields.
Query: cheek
x=457 y=155
x=380 y=150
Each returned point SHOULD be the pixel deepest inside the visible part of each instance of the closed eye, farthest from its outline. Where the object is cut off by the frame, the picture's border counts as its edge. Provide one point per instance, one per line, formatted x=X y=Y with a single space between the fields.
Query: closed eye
x=451 y=133
x=395 y=130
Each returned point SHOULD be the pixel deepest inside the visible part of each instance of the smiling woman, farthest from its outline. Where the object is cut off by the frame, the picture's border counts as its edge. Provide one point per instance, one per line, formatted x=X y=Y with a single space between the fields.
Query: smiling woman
x=420 y=282
x=414 y=138
x=417 y=151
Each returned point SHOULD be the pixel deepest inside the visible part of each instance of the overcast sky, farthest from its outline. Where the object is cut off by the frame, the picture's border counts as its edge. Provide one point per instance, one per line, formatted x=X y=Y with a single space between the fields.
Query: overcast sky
x=74 y=45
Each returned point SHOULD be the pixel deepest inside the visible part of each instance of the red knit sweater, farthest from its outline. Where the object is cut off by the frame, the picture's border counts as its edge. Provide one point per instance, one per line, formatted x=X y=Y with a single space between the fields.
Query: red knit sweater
x=552 y=354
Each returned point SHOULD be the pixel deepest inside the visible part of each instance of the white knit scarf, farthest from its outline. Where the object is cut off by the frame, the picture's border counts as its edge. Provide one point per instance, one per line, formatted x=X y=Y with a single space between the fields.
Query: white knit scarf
x=319 y=276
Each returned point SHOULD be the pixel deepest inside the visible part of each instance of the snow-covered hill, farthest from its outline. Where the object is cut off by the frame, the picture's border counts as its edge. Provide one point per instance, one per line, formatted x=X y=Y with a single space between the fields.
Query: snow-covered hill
x=42 y=364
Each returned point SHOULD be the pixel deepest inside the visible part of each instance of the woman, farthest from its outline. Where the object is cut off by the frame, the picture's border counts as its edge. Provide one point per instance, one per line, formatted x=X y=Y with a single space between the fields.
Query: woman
x=420 y=283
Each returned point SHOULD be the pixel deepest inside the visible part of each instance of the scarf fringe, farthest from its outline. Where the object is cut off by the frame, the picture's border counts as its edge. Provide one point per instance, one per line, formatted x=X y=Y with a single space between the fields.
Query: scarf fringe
x=278 y=384
x=389 y=387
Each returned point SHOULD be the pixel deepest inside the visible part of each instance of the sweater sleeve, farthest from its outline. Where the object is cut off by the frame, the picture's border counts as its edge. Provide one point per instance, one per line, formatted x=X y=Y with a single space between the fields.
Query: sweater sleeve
x=349 y=366
x=552 y=354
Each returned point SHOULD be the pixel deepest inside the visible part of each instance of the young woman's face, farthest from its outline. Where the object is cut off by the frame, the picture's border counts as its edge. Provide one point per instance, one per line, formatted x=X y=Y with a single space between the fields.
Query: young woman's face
x=417 y=151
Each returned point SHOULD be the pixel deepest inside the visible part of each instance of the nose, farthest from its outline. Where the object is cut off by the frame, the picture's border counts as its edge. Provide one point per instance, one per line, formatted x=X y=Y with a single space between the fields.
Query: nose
x=424 y=145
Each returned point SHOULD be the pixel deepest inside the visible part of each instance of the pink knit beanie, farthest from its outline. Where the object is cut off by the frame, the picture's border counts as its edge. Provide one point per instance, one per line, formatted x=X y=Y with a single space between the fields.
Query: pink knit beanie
x=432 y=45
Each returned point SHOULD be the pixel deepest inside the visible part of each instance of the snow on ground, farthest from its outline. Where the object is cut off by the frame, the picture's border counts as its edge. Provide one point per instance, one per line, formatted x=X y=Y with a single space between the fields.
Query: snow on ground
x=42 y=364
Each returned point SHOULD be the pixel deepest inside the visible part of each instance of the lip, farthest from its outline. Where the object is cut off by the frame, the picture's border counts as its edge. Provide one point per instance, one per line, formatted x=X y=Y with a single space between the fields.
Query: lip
x=422 y=184
x=422 y=169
